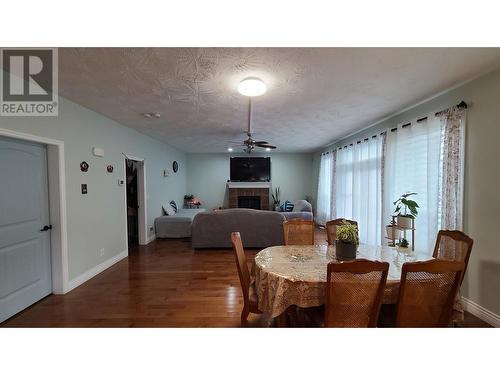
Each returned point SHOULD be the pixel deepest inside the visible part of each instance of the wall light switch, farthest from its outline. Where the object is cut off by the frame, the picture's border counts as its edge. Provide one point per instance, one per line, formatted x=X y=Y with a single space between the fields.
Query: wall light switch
x=84 y=188
x=120 y=182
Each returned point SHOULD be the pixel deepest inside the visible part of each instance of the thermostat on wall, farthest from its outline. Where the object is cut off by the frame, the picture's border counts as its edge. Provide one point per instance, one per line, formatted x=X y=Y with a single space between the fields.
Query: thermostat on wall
x=96 y=151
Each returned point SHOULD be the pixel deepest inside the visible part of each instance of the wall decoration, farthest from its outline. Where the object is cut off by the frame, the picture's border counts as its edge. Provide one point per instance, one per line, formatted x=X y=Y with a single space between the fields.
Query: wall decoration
x=109 y=168
x=84 y=166
x=175 y=166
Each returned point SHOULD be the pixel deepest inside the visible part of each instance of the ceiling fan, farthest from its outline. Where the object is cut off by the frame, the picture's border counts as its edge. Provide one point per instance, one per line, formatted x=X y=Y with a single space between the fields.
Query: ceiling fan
x=250 y=143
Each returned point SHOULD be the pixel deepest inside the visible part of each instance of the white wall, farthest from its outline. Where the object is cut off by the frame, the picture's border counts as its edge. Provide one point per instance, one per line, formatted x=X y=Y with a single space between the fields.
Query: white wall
x=97 y=220
x=208 y=173
x=482 y=179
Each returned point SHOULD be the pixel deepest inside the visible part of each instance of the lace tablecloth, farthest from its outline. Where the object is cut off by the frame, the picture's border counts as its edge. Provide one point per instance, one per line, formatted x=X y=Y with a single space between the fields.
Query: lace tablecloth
x=296 y=275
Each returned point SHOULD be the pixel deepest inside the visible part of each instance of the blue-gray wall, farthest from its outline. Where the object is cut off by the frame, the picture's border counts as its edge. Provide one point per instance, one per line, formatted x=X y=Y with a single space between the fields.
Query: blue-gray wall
x=96 y=220
x=208 y=173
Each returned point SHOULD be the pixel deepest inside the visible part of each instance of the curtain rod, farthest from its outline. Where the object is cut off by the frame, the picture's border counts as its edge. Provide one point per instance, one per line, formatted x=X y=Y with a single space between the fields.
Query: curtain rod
x=462 y=105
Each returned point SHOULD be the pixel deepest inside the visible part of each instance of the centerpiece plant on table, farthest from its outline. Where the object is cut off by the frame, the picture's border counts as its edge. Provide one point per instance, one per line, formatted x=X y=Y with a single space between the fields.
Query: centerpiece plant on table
x=347 y=241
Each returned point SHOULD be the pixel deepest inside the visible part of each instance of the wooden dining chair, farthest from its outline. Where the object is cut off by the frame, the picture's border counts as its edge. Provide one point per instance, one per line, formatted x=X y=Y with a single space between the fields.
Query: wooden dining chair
x=298 y=232
x=427 y=293
x=250 y=299
x=331 y=228
x=354 y=293
x=453 y=245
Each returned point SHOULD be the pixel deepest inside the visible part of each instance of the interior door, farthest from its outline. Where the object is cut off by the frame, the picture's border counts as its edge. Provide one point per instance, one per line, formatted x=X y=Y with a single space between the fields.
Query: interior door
x=25 y=269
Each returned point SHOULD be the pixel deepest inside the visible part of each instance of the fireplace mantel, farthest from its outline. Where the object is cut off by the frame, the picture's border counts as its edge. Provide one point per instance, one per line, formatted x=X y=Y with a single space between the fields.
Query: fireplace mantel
x=248 y=185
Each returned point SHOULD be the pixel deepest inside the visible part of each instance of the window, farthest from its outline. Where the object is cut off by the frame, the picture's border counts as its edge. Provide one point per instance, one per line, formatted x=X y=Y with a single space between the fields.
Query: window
x=412 y=163
x=358 y=187
x=325 y=181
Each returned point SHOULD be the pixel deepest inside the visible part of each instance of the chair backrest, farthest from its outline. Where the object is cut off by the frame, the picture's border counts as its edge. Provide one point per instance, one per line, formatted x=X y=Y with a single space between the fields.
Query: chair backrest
x=241 y=264
x=331 y=228
x=453 y=245
x=427 y=293
x=354 y=293
x=298 y=232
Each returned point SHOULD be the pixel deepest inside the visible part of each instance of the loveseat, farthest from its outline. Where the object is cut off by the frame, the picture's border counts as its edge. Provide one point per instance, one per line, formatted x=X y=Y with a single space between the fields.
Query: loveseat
x=302 y=209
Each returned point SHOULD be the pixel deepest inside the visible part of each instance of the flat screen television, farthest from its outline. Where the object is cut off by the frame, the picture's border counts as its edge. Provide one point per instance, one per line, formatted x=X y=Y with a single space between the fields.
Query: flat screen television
x=250 y=169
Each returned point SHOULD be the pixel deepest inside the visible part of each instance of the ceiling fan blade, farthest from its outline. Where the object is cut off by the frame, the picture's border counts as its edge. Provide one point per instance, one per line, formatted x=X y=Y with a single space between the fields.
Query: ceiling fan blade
x=266 y=146
x=261 y=142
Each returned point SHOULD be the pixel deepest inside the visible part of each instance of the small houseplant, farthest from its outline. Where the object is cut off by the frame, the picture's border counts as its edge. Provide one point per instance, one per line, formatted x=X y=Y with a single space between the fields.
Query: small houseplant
x=406 y=210
x=276 y=198
x=403 y=243
x=188 y=200
x=347 y=241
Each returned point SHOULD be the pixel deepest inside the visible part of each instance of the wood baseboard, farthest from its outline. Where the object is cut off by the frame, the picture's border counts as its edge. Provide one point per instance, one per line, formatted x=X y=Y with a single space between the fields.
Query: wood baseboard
x=79 y=280
x=482 y=313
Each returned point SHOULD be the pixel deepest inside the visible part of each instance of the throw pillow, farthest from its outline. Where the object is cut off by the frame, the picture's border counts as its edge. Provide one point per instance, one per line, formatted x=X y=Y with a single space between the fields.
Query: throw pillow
x=173 y=205
x=286 y=207
x=289 y=206
x=168 y=210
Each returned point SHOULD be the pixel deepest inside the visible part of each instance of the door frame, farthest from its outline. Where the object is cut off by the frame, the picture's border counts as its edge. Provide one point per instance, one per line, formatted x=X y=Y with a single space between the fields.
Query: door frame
x=141 y=198
x=56 y=174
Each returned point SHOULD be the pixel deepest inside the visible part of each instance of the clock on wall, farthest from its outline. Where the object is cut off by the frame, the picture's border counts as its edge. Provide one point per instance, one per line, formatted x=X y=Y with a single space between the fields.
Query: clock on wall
x=175 y=166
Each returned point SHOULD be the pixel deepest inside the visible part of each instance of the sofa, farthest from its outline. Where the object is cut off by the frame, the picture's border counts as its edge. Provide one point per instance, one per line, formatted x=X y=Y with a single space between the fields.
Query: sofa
x=302 y=209
x=178 y=225
x=258 y=228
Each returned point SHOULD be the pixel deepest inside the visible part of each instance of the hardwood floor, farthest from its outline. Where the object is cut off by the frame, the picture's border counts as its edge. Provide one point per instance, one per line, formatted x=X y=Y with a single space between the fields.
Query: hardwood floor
x=163 y=284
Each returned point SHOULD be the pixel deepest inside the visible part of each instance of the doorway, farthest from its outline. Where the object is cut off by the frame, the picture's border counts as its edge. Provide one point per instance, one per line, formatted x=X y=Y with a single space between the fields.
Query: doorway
x=135 y=200
x=132 y=185
x=25 y=229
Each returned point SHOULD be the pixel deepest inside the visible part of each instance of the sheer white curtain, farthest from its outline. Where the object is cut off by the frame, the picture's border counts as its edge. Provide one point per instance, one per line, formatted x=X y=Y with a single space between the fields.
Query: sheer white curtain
x=325 y=188
x=412 y=163
x=358 y=187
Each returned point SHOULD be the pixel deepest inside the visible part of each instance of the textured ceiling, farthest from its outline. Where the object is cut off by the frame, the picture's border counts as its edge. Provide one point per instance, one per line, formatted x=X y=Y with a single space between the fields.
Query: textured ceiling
x=315 y=95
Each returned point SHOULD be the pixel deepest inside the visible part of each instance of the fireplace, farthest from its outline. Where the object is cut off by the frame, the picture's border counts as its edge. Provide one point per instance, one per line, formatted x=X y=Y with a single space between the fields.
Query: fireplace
x=249 y=202
x=249 y=195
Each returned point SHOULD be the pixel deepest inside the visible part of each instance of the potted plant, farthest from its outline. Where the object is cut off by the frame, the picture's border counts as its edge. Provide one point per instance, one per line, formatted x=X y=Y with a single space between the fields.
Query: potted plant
x=276 y=199
x=392 y=234
x=188 y=200
x=406 y=210
x=403 y=243
x=347 y=241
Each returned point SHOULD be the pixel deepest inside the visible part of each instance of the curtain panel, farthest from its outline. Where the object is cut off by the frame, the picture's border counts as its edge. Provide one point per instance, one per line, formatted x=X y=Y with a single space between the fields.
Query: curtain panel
x=358 y=187
x=325 y=188
x=412 y=163
x=452 y=167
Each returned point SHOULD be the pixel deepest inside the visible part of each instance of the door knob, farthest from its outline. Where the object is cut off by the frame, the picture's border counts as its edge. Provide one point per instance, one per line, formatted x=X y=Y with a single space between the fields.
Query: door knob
x=46 y=228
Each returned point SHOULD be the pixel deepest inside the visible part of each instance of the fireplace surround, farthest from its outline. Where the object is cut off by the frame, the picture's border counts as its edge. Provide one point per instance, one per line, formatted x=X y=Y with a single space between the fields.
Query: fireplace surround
x=241 y=195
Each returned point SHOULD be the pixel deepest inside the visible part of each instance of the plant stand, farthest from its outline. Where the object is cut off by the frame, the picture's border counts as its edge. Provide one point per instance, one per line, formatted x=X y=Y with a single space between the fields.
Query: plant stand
x=392 y=241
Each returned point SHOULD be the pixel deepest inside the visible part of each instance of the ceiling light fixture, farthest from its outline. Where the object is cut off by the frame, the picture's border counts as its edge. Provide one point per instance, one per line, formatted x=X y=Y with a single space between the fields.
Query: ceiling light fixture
x=230 y=149
x=268 y=149
x=252 y=87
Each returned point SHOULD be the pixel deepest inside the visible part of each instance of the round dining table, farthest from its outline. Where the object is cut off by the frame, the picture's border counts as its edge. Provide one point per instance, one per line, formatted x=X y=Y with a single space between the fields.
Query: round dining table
x=296 y=274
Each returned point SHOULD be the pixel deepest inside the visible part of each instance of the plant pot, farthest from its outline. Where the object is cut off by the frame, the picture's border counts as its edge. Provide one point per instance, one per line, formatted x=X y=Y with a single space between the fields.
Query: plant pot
x=403 y=222
x=397 y=233
x=276 y=207
x=344 y=250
